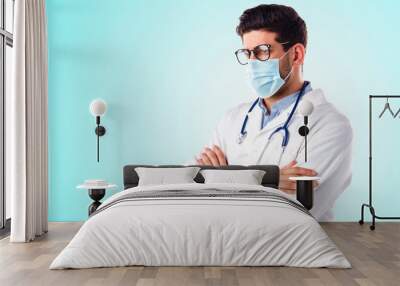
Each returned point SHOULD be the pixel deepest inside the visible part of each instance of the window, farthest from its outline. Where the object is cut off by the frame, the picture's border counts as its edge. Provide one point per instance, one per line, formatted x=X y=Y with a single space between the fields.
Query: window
x=6 y=44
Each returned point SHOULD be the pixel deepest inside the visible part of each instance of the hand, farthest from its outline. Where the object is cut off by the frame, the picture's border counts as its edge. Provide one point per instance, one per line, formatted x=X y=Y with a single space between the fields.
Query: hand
x=212 y=156
x=290 y=170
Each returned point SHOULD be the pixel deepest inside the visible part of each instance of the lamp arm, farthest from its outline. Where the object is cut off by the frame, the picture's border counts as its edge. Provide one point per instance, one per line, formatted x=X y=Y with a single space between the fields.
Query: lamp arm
x=98 y=138
x=303 y=131
x=98 y=146
x=305 y=148
x=305 y=138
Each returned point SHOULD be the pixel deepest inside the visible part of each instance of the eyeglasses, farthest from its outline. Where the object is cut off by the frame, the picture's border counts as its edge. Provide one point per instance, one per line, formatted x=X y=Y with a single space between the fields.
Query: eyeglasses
x=260 y=52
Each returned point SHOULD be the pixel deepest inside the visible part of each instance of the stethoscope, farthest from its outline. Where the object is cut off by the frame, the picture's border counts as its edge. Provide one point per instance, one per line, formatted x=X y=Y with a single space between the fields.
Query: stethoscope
x=284 y=127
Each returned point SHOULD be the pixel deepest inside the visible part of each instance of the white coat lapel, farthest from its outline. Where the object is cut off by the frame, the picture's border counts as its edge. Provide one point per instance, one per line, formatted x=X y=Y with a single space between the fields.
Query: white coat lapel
x=254 y=122
x=257 y=139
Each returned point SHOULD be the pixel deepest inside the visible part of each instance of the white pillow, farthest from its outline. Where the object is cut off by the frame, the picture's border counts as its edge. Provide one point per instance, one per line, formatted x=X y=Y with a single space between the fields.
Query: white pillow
x=164 y=176
x=248 y=177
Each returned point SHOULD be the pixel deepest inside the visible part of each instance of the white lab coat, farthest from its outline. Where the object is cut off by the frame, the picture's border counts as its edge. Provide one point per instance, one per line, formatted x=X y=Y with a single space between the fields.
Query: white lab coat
x=329 y=146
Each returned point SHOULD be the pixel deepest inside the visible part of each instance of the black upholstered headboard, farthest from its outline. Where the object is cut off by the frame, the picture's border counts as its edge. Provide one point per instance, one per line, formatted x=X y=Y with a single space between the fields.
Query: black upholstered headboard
x=270 y=179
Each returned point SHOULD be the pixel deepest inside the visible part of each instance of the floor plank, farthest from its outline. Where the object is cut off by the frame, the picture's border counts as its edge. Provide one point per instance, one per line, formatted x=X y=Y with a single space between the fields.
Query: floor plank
x=374 y=255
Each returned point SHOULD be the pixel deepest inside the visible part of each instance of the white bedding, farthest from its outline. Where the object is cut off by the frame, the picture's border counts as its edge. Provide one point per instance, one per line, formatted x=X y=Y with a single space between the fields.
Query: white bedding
x=200 y=231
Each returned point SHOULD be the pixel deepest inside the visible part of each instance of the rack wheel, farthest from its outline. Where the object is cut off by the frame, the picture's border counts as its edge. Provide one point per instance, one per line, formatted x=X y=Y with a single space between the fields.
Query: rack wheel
x=361 y=222
x=372 y=227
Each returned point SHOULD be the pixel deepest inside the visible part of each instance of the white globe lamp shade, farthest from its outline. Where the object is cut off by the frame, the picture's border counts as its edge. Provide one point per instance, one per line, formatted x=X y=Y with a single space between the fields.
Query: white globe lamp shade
x=306 y=108
x=98 y=107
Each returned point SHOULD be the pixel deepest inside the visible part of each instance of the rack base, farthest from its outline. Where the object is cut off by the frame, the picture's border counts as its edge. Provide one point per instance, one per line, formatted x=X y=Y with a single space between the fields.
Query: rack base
x=374 y=216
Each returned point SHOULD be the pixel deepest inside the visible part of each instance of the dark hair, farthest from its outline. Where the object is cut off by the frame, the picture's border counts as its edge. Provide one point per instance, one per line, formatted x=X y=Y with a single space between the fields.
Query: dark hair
x=280 y=19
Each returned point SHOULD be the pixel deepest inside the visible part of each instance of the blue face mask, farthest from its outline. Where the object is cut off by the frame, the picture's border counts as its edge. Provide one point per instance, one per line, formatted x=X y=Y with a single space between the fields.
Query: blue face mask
x=264 y=76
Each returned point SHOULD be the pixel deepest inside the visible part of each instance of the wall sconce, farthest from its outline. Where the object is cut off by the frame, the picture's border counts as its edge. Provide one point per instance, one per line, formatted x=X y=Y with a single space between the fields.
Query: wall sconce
x=98 y=108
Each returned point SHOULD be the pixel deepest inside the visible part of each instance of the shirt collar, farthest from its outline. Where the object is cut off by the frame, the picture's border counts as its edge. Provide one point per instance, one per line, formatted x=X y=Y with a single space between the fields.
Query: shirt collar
x=281 y=104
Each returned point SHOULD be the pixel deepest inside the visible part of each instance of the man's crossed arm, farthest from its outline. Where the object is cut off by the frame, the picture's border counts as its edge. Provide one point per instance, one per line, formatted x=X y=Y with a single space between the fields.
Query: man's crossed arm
x=214 y=156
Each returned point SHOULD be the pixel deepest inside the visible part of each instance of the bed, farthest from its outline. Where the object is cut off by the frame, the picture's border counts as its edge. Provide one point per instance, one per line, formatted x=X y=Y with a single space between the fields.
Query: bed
x=201 y=224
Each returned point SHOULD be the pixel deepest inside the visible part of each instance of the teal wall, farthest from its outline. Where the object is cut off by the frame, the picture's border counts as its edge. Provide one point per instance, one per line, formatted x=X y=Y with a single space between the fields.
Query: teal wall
x=167 y=71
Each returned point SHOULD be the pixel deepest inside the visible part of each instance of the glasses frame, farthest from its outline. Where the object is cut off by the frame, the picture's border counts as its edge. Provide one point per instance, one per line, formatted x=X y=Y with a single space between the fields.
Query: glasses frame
x=249 y=52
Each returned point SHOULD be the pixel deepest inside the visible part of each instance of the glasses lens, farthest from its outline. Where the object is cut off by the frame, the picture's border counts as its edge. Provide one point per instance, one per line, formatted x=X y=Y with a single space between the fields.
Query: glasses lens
x=262 y=52
x=242 y=56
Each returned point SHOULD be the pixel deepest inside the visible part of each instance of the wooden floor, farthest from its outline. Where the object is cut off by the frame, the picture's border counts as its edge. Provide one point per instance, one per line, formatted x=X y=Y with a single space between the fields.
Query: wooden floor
x=375 y=257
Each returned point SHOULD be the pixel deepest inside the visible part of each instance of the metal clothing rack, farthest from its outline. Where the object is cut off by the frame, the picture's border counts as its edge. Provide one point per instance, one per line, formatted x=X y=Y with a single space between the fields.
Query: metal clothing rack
x=370 y=205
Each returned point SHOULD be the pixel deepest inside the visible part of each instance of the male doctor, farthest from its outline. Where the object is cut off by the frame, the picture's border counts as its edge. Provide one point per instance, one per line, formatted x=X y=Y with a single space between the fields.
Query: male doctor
x=274 y=41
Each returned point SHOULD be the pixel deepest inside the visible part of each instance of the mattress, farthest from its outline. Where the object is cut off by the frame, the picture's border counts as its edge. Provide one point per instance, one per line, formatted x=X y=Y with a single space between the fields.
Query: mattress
x=201 y=225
